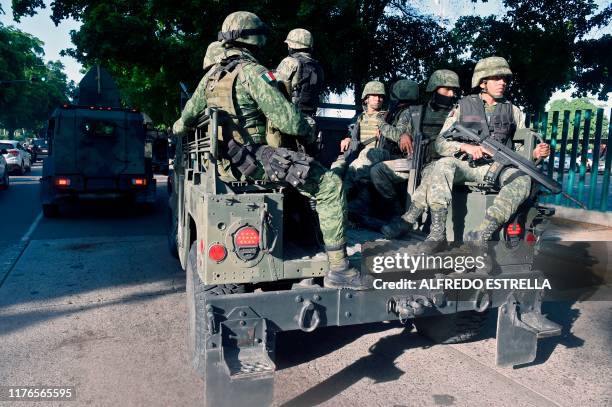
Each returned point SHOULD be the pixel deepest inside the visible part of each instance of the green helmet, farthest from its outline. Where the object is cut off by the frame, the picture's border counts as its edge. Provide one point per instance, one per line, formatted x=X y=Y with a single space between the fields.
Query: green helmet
x=243 y=27
x=299 y=38
x=214 y=54
x=492 y=66
x=442 y=77
x=373 y=88
x=405 y=90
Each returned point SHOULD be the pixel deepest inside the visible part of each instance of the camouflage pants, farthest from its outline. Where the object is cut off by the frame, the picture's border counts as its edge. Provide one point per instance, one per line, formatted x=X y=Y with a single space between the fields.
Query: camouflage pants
x=450 y=170
x=325 y=187
x=359 y=170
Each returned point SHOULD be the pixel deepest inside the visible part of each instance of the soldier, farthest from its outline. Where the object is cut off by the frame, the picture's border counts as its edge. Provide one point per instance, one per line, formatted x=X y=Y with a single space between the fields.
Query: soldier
x=367 y=128
x=239 y=85
x=397 y=141
x=301 y=74
x=443 y=87
x=485 y=109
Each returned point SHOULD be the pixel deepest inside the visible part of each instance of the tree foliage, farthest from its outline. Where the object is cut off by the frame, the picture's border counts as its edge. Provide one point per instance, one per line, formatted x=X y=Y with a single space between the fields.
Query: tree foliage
x=150 y=46
x=572 y=106
x=40 y=88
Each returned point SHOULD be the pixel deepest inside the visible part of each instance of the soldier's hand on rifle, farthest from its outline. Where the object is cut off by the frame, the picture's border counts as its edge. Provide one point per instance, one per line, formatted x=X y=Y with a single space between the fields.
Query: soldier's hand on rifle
x=405 y=143
x=475 y=151
x=542 y=150
x=344 y=144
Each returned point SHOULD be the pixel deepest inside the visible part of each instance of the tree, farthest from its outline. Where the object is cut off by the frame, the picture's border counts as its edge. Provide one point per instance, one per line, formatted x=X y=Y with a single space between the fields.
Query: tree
x=149 y=47
x=544 y=42
x=40 y=87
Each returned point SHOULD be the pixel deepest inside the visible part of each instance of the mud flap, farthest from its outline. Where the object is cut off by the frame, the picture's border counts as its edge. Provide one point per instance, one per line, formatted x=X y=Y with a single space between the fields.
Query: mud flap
x=240 y=371
x=518 y=332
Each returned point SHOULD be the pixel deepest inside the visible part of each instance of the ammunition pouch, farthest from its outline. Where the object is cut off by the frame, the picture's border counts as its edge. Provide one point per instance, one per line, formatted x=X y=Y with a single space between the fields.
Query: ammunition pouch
x=241 y=158
x=283 y=165
x=492 y=176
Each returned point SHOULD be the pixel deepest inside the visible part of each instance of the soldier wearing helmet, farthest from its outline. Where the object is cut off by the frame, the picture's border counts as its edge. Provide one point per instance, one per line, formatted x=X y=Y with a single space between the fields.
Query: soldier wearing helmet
x=301 y=74
x=238 y=85
x=364 y=131
x=442 y=88
x=485 y=109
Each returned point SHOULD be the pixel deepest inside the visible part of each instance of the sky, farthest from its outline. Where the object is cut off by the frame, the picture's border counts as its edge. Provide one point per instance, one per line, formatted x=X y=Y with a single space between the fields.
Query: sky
x=57 y=38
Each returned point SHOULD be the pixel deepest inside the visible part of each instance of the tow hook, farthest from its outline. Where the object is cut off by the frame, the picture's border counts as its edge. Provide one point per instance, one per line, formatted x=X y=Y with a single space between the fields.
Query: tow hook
x=408 y=307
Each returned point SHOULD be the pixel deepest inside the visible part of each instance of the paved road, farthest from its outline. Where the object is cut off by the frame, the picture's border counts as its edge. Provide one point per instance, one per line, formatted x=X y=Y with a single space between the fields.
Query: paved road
x=94 y=300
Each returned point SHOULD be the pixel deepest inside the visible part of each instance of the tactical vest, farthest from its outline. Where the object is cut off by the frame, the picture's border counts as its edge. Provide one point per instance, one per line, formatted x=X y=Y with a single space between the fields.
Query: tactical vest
x=430 y=121
x=500 y=123
x=250 y=126
x=308 y=84
x=368 y=127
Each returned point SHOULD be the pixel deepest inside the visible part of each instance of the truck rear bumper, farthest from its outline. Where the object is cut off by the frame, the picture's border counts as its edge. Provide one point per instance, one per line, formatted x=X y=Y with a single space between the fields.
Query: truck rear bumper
x=236 y=358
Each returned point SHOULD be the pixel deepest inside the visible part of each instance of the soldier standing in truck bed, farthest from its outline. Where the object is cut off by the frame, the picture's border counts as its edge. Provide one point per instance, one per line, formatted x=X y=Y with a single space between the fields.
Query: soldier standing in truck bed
x=247 y=91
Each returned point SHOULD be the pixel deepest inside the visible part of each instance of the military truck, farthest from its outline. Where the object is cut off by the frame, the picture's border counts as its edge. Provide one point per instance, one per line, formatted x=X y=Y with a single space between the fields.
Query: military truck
x=250 y=275
x=97 y=149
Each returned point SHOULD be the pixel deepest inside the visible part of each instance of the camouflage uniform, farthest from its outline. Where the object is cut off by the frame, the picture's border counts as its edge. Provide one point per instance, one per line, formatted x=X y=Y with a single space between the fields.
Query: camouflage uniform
x=432 y=116
x=450 y=170
x=301 y=74
x=256 y=99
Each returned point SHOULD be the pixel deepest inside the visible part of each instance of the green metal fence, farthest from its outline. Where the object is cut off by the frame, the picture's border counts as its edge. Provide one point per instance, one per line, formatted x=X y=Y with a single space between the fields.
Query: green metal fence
x=581 y=160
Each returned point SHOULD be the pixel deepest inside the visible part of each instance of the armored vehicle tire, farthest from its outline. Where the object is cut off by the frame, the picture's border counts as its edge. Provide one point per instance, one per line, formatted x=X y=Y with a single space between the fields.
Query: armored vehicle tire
x=50 y=210
x=172 y=232
x=452 y=328
x=197 y=327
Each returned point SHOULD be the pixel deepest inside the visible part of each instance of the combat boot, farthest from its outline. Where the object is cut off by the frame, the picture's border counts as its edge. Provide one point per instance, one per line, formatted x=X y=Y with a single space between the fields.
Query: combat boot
x=341 y=275
x=398 y=228
x=485 y=231
x=436 y=240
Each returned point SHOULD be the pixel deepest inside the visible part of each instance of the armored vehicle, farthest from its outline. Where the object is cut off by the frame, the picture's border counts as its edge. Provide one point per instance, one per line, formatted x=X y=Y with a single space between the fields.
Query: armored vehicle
x=251 y=274
x=97 y=149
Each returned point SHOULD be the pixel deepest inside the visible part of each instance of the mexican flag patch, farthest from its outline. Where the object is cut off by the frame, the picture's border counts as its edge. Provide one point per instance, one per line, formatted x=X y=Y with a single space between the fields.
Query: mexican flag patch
x=268 y=77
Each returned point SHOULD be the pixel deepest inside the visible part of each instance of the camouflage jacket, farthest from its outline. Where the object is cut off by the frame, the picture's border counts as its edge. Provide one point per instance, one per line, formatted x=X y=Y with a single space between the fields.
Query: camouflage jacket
x=448 y=148
x=255 y=90
x=402 y=123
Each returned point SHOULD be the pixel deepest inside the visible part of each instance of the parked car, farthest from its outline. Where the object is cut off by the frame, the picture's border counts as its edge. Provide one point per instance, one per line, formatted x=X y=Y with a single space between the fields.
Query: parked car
x=4 y=171
x=41 y=148
x=17 y=157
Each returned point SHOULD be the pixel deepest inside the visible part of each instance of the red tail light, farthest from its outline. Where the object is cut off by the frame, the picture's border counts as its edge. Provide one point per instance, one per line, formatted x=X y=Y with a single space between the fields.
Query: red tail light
x=139 y=182
x=531 y=238
x=217 y=252
x=247 y=237
x=14 y=153
x=62 y=182
x=514 y=229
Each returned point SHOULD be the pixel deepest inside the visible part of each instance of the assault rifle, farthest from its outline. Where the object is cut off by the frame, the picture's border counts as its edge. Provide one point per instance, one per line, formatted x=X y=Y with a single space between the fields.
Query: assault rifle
x=504 y=157
x=356 y=145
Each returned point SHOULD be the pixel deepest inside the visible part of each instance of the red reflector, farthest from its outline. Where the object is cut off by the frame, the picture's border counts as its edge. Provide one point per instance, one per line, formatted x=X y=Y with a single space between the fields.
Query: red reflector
x=139 y=182
x=217 y=252
x=14 y=153
x=247 y=237
x=531 y=238
x=62 y=182
x=513 y=229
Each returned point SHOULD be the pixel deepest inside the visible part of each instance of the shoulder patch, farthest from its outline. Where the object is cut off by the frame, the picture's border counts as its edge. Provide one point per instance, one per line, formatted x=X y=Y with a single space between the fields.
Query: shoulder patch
x=268 y=77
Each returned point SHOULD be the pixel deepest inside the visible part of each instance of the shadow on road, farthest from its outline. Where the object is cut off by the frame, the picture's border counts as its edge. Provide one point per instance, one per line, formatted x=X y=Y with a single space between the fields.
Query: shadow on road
x=379 y=365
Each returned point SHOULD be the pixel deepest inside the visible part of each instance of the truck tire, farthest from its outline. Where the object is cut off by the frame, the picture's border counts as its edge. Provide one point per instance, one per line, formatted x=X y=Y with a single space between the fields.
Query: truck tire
x=172 y=231
x=197 y=326
x=50 y=210
x=452 y=328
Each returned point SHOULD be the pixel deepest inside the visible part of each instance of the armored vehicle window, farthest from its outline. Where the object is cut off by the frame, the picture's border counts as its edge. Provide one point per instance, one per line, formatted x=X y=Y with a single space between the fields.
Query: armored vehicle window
x=99 y=128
